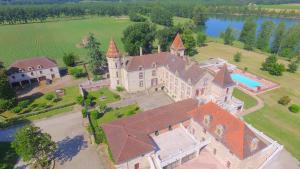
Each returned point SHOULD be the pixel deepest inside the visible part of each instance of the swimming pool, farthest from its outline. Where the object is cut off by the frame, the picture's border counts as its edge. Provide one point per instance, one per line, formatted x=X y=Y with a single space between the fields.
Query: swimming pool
x=245 y=80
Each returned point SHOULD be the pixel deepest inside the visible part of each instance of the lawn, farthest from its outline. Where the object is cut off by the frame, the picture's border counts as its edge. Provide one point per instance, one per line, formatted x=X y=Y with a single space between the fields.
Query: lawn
x=55 y=38
x=282 y=6
x=118 y=113
x=50 y=113
x=105 y=92
x=274 y=119
x=8 y=157
x=248 y=100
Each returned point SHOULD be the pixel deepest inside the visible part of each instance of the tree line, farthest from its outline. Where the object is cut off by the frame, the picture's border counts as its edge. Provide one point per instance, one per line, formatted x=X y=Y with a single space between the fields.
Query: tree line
x=14 y=14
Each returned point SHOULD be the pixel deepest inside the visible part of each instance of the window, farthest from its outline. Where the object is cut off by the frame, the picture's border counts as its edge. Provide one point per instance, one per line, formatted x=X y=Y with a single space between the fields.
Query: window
x=136 y=166
x=154 y=65
x=204 y=130
x=156 y=133
x=141 y=84
x=227 y=90
x=117 y=74
x=39 y=66
x=140 y=67
x=13 y=77
x=23 y=75
x=225 y=100
x=21 y=70
x=30 y=68
x=51 y=70
x=41 y=72
x=31 y=73
x=207 y=119
x=153 y=72
x=170 y=127
x=220 y=130
x=215 y=151
x=118 y=82
x=116 y=65
x=141 y=75
x=254 y=144
x=228 y=164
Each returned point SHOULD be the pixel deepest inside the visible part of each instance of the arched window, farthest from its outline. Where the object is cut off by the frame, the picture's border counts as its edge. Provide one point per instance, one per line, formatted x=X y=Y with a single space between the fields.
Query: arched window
x=39 y=66
x=30 y=68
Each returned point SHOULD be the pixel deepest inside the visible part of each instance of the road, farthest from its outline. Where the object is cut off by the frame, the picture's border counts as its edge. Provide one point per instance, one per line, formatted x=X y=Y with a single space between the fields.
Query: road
x=74 y=151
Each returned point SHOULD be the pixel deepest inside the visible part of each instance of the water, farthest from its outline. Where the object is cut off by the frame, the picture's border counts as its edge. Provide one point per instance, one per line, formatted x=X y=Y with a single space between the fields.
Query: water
x=245 y=80
x=218 y=24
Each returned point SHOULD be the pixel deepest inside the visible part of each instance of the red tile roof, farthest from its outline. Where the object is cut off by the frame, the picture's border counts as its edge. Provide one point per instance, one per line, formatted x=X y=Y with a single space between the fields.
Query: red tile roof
x=237 y=136
x=223 y=78
x=177 y=43
x=129 y=137
x=24 y=64
x=112 y=51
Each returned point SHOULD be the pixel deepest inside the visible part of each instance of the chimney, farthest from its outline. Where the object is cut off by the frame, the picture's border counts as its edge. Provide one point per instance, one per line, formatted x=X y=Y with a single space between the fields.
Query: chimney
x=158 y=48
x=141 y=51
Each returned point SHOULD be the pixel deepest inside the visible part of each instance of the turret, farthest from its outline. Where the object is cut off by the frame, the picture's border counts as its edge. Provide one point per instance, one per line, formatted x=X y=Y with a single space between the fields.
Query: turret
x=114 y=65
x=177 y=48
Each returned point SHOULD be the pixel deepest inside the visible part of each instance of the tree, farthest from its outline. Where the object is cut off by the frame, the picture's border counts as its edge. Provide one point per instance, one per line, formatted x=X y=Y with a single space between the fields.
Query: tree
x=237 y=57
x=189 y=42
x=97 y=61
x=7 y=94
x=161 y=16
x=228 y=36
x=201 y=39
x=139 y=35
x=135 y=17
x=279 y=33
x=290 y=44
x=248 y=34
x=166 y=36
x=199 y=15
x=33 y=145
x=69 y=59
x=263 y=40
x=272 y=66
x=293 y=67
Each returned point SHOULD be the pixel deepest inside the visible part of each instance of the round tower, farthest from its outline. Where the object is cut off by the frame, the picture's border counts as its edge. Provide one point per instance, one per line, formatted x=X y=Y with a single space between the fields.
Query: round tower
x=114 y=65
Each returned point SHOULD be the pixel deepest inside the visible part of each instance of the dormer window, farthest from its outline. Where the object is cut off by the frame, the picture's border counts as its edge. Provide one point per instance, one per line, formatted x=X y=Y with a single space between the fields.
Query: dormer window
x=39 y=66
x=170 y=128
x=21 y=70
x=30 y=68
x=140 y=67
x=254 y=144
x=207 y=119
x=220 y=130
x=156 y=133
x=154 y=65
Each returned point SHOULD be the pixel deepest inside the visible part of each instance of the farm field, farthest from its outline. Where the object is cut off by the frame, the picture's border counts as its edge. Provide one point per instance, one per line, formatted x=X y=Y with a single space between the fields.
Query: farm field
x=55 y=38
x=274 y=119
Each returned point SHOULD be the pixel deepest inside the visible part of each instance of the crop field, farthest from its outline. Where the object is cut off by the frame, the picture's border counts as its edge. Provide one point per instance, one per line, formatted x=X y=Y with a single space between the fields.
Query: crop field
x=274 y=119
x=55 y=38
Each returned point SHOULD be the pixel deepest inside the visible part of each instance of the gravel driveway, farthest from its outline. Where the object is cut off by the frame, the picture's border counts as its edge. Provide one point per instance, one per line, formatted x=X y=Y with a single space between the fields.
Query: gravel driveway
x=74 y=152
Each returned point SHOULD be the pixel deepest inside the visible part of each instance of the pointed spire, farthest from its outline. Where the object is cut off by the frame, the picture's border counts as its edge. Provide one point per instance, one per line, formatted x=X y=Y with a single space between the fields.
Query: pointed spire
x=177 y=43
x=112 y=51
x=223 y=78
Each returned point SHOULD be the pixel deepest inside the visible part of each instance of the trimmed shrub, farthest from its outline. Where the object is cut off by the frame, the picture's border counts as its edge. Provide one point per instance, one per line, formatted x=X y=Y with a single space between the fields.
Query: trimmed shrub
x=285 y=100
x=84 y=113
x=294 y=108
x=49 y=96
x=120 y=89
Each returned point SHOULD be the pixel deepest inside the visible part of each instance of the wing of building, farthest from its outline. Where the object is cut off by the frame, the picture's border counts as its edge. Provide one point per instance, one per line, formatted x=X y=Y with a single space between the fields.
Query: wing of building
x=169 y=136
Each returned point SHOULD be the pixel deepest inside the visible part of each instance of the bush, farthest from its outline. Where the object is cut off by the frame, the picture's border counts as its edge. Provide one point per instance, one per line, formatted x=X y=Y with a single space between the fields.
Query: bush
x=237 y=57
x=84 y=113
x=6 y=104
x=49 y=96
x=23 y=104
x=120 y=89
x=293 y=67
x=69 y=59
x=294 y=108
x=201 y=39
x=116 y=96
x=79 y=100
x=17 y=109
x=95 y=115
x=88 y=102
x=135 y=17
x=285 y=100
x=77 y=72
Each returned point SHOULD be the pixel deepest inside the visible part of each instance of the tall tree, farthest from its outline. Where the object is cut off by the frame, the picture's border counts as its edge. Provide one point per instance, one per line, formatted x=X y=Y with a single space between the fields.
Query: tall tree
x=228 y=36
x=263 y=39
x=199 y=15
x=166 y=36
x=248 y=34
x=161 y=16
x=290 y=44
x=139 y=35
x=31 y=144
x=7 y=94
x=201 y=39
x=97 y=60
x=189 y=42
x=279 y=33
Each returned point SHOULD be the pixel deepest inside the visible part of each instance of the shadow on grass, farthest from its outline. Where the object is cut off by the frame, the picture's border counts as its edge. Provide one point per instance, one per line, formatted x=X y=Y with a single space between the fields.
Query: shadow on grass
x=69 y=148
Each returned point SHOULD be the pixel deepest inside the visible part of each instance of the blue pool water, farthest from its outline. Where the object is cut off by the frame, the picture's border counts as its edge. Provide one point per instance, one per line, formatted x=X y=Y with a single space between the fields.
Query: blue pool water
x=245 y=80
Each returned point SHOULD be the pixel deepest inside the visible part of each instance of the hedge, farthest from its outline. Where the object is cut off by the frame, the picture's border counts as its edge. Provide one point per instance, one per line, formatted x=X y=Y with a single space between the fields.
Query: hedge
x=22 y=118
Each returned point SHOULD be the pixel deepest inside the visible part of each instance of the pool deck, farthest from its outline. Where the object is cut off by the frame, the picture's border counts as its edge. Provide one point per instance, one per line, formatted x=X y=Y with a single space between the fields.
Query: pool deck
x=266 y=85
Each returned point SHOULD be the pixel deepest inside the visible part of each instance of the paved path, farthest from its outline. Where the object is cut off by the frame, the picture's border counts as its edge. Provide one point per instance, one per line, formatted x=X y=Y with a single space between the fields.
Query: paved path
x=258 y=106
x=74 y=151
x=284 y=161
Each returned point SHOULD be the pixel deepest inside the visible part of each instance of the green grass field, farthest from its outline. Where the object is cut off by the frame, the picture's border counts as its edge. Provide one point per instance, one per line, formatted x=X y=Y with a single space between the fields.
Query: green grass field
x=274 y=119
x=123 y=111
x=8 y=156
x=55 y=38
x=248 y=100
x=282 y=6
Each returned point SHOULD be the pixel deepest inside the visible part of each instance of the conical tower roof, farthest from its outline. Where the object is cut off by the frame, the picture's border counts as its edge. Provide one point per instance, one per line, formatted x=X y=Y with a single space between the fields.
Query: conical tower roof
x=177 y=43
x=112 y=51
x=223 y=78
